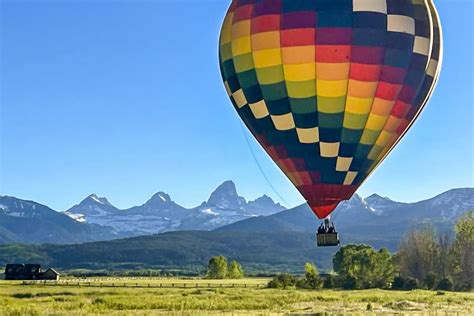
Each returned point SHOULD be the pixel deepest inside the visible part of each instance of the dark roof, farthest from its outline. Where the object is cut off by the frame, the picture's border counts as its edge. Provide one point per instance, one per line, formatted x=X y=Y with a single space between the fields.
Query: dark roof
x=52 y=270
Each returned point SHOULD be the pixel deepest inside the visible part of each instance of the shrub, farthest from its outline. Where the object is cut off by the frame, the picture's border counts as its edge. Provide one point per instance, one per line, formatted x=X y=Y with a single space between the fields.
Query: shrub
x=369 y=307
x=431 y=280
x=282 y=281
x=329 y=282
x=465 y=287
x=302 y=284
x=349 y=283
x=410 y=284
x=398 y=283
x=445 y=284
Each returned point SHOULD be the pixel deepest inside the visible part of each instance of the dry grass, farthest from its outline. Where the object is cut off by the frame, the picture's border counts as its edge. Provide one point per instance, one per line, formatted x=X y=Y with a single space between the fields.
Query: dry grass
x=17 y=299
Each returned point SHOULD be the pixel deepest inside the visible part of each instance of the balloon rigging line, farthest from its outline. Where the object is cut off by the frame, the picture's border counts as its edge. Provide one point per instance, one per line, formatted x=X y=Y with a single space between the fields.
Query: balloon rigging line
x=260 y=167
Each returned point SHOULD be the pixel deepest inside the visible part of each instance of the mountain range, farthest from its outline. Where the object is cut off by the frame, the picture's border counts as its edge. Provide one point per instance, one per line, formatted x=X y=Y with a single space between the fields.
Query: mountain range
x=375 y=220
x=95 y=218
x=280 y=241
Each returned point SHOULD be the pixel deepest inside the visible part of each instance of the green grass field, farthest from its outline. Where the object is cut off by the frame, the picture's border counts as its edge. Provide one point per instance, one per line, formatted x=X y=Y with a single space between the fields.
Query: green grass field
x=96 y=296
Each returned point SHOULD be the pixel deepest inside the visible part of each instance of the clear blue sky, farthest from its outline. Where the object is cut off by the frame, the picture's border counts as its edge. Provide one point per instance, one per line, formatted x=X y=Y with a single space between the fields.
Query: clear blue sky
x=124 y=98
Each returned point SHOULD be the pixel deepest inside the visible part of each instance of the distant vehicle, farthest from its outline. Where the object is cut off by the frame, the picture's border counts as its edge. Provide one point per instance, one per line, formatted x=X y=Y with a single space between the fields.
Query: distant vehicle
x=29 y=272
x=329 y=88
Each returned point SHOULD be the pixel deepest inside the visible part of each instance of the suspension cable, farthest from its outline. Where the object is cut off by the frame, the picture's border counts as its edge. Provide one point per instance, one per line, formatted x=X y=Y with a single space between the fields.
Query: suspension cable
x=260 y=167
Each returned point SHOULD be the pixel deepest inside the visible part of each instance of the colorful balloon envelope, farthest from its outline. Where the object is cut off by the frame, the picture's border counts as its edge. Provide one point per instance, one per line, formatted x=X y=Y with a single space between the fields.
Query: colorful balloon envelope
x=329 y=87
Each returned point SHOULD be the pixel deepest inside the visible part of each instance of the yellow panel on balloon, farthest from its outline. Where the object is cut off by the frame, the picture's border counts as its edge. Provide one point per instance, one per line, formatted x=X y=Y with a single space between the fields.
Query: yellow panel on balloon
x=358 y=105
x=376 y=122
x=331 y=88
x=267 y=58
x=241 y=46
x=300 y=72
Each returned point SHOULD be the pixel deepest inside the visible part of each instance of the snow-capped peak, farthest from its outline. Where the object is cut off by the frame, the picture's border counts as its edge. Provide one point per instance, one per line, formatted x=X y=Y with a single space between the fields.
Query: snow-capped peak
x=161 y=197
x=209 y=211
x=379 y=204
x=96 y=199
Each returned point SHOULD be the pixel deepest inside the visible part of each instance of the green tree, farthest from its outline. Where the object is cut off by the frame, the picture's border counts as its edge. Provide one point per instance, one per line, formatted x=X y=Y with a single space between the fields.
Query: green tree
x=217 y=268
x=463 y=252
x=235 y=271
x=363 y=267
x=311 y=278
x=282 y=281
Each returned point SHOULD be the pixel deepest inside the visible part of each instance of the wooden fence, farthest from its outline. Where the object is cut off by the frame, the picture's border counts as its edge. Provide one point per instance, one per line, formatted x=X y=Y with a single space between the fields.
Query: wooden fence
x=187 y=285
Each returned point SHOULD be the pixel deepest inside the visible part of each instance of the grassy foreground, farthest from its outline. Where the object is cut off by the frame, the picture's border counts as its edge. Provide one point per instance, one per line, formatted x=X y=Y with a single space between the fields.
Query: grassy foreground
x=18 y=299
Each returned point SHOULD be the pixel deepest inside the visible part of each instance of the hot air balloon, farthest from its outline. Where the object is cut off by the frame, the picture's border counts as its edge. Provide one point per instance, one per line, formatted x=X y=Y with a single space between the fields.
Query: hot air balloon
x=329 y=87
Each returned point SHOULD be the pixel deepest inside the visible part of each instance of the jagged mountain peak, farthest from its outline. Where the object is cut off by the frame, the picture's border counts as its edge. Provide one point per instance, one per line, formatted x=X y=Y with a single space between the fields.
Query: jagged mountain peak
x=355 y=200
x=160 y=197
x=227 y=188
x=355 y=206
x=375 y=197
x=263 y=198
x=91 y=205
x=94 y=198
x=226 y=196
x=380 y=204
x=264 y=205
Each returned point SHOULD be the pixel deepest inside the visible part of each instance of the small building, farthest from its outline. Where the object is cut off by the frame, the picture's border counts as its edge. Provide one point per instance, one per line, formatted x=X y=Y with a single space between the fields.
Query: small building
x=50 y=274
x=21 y=271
